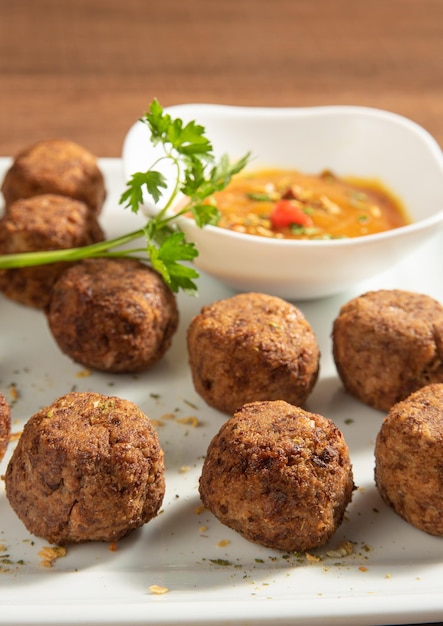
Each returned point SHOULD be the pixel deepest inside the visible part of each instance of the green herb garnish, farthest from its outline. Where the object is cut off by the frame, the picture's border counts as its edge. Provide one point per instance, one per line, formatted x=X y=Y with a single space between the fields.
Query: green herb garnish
x=223 y=562
x=297 y=229
x=198 y=176
x=258 y=196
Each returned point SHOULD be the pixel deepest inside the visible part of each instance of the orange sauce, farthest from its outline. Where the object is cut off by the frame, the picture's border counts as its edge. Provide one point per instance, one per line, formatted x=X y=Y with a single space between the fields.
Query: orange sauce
x=335 y=207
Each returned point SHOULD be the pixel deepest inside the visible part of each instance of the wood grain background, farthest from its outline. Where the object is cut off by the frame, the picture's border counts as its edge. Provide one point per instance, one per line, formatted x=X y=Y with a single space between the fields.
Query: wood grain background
x=87 y=69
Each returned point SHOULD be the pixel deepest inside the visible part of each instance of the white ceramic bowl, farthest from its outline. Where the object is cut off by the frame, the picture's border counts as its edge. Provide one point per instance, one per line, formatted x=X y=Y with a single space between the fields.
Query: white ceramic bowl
x=349 y=140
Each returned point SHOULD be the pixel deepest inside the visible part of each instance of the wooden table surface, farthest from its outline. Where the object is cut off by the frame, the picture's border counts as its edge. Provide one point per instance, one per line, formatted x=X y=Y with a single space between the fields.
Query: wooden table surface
x=87 y=69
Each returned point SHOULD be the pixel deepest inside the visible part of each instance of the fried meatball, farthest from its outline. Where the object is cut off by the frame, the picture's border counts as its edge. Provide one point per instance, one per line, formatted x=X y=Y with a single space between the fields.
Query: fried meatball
x=408 y=459
x=55 y=166
x=45 y=222
x=387 y=344
x=252 y=347
x=88 y=467
x=278 y=475
x=5 y=425
x=113 y=315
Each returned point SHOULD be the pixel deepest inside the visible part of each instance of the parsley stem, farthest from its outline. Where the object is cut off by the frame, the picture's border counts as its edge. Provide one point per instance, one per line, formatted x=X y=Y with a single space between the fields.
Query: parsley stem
x=102 y=248
x=177 y=185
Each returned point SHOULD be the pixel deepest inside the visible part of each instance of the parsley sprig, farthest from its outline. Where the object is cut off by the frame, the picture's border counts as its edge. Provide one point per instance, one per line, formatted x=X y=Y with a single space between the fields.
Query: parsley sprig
x=198 y=176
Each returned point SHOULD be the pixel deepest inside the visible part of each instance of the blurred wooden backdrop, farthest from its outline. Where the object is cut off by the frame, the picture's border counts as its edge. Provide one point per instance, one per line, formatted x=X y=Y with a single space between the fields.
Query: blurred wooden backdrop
x=87 y=69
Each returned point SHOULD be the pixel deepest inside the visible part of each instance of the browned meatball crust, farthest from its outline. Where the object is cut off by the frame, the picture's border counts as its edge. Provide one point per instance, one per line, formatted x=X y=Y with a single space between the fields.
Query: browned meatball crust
x=86 y=468
x=409 y=459
x=114 y=315
x=5 y=425
x=45 y=222
x=252 y=347
x=387 y=344
x=278 y=475
x=55 y=166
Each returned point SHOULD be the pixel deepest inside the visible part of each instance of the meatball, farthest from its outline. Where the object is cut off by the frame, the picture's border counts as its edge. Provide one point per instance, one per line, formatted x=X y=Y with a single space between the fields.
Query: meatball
x=55 y=166
x=5 y=425
x=114 y=315
x=41 y=223
x=387 y=344
x=252 y=347
x=88 y=467
x=408 y=459
x=278 y=475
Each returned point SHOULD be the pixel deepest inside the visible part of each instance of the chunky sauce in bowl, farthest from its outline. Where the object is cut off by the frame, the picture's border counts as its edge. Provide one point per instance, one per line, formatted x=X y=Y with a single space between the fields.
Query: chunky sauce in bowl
x=288 y=204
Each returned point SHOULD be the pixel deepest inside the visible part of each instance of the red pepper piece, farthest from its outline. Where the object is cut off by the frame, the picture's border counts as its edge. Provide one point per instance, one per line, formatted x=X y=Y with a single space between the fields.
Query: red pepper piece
x=286 y=213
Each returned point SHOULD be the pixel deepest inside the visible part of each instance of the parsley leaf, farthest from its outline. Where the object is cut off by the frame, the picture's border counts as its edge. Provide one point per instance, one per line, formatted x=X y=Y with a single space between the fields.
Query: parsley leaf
x=165 y=259
x=187 y=140
x=133 y=196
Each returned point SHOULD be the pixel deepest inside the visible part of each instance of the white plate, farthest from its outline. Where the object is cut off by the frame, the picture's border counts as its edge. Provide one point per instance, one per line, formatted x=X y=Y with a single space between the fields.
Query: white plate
x=213 y=576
